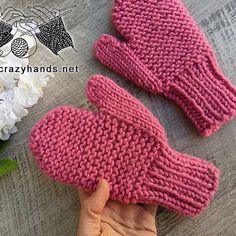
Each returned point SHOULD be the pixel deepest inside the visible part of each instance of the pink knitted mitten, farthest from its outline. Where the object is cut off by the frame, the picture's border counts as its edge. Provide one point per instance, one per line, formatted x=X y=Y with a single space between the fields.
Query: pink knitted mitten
x=124 y=143
x=165 y=52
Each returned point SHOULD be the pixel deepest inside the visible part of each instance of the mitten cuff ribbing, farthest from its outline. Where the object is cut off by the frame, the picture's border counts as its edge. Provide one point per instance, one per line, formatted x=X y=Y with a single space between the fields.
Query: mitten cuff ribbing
x=207 y=97
x=180 y=182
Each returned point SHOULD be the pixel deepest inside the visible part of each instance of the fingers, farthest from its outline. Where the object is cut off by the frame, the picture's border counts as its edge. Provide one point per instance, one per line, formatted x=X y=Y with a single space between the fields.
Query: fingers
x=36 y=10
x=10 y=13
x=45 y=11
x=92 y=205
x=132 y=216
x=96 y=201
x=15 y=18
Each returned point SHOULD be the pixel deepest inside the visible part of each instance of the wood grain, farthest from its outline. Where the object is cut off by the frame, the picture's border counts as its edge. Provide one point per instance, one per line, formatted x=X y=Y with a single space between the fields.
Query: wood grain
x=31 y=204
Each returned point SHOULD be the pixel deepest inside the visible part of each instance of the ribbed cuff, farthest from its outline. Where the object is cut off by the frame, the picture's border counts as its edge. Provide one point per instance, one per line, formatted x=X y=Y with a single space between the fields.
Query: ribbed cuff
x=207 y=97
x=181 y=183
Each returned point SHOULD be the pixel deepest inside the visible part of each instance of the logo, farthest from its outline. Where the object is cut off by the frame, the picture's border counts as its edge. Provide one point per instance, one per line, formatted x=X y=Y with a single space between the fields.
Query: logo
x=20 y=34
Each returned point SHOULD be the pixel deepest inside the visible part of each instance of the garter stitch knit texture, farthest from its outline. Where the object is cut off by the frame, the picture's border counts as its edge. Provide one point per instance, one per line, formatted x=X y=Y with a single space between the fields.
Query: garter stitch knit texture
x=124 y=143
x=165 y=52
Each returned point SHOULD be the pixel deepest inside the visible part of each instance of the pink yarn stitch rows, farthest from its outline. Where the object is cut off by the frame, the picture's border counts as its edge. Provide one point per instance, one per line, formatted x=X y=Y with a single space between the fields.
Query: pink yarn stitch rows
x=124 y=143
x=165 y=52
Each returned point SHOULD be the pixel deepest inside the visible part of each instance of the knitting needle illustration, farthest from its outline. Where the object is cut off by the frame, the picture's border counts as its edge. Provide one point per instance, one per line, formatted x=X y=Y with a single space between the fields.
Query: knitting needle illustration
x=52 y=32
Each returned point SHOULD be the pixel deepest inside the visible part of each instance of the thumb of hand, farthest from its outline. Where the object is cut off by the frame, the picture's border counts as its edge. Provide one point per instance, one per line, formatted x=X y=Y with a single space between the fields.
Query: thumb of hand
x=91 y=209
x=97 y=200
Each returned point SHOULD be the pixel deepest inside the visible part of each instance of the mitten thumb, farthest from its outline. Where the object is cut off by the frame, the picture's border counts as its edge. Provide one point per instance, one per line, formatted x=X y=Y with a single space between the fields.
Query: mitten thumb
x=119 y=57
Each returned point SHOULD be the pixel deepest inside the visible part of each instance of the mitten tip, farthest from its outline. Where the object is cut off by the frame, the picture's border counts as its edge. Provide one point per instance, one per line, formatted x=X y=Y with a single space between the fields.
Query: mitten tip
x=106 y=38
x=104 y=42
x=93 y=87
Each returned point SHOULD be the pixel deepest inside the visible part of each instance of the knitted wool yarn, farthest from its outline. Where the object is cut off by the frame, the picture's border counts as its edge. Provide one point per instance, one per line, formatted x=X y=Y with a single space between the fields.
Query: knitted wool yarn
x=165 y=52
x=124 y=143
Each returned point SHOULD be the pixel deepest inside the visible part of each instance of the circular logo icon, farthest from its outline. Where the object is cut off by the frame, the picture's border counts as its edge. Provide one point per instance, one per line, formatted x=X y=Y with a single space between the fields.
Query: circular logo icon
x=19 y=47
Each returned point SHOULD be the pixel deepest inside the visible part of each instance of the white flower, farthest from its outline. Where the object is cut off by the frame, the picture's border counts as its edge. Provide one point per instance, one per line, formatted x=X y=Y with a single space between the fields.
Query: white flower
x=30 y=88
x=11 y=107
x=13 y=102
x=10 y=112
x=17 y=91
x=6 y=82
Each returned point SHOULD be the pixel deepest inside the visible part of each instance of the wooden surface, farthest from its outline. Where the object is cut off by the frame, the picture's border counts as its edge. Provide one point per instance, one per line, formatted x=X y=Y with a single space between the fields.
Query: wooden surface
x=33 y=205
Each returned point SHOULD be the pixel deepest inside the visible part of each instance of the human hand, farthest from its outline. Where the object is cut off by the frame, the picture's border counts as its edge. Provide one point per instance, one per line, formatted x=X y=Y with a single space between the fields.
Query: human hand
x=42 y=15
x=11 y=15
x=102 y=217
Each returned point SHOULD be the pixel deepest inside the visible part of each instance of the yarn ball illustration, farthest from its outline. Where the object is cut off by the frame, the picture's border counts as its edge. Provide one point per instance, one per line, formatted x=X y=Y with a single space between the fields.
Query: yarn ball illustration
x=19 y=47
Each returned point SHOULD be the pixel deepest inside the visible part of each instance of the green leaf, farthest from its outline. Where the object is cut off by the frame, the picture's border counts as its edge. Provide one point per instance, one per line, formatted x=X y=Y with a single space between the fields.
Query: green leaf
x=7 y=166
